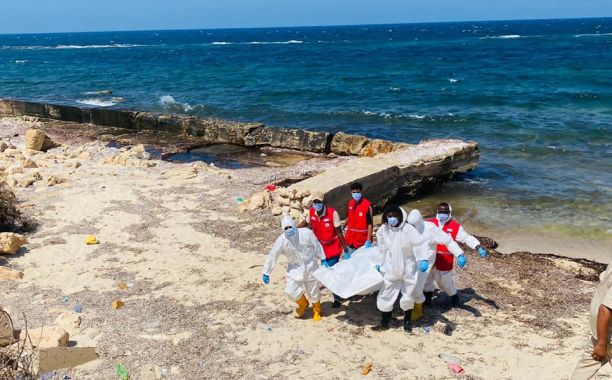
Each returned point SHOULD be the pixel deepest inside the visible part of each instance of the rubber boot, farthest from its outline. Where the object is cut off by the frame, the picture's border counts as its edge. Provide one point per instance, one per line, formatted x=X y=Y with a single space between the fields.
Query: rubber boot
x=408 y=321
x=455 y=300
x=302 y=306
x=316 y=311
x=384 y=322
x=337 y=302
x=428 y=298
x=417 y=313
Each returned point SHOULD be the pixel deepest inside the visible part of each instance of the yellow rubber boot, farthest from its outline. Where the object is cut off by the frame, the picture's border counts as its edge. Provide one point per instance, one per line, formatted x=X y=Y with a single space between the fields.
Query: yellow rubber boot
x=316 y=311
x=302 y=306
x=417 y=313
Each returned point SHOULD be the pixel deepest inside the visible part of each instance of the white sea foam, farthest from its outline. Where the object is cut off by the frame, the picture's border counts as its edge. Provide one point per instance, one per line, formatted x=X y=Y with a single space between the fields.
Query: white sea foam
x=502 y=37
x=97 y=102
x=112 y=46
x=167 y=101
x=593 y=35
x=453 y=80
x=22 y=61
x=99 y=92
x=388 y=115
x=395 y=89
x=258 y=42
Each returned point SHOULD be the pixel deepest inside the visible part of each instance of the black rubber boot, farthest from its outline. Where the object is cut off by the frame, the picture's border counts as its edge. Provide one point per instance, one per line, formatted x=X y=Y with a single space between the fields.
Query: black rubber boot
x=455 y=300
x=384 y=322
x=337 y=302
x=428 y=298
x=408 y=321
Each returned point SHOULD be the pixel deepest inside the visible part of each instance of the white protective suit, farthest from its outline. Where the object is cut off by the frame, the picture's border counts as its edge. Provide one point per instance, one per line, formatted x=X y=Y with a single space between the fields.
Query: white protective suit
x=304 y=253
x=400 y=265
x=427 y=251
x=445 y=279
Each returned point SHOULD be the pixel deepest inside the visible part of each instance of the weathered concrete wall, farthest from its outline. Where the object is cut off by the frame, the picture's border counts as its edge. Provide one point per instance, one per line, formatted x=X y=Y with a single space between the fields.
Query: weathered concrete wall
x=386 y=175
x=209 y=130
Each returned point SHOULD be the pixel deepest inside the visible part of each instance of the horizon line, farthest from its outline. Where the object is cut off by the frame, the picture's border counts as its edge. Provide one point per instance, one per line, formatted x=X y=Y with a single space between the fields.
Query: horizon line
x=311 y=26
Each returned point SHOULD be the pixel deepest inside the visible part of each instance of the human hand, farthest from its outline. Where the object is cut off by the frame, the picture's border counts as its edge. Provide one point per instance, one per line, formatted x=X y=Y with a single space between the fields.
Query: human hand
x=368 y=244
x=462 y=261
x=600 y=352
x=482 y=252
x=266 y=279
x=377 y=267
x=423 y=265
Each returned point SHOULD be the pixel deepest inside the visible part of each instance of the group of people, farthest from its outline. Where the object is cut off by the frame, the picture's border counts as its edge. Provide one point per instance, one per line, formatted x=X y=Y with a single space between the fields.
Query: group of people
x=418 y=254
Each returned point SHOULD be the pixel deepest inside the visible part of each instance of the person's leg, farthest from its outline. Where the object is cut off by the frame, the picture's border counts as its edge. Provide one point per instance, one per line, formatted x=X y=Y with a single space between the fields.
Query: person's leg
x=447 y=283
x=407 y=304
x=419 y=295
x=384 y=302
x=337 y=299
x=587 y=367
x=314 y=294
x=295 y=292
x=429 y=287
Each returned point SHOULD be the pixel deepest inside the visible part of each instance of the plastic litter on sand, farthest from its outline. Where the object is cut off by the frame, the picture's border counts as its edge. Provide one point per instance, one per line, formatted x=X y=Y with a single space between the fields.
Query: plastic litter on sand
x=264 y=326
x=449 y=359
x=78 y=308
x=118 y=304
x=366 y=368
x=122 y=372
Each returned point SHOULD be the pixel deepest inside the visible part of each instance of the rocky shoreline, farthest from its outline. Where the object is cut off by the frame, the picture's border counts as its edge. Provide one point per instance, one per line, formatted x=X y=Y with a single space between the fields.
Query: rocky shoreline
x=175 y=249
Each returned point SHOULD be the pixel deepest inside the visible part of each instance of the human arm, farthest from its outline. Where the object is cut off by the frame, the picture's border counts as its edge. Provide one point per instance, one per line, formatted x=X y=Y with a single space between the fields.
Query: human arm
x=338 y=227
x=467 y=239
x=272 y=258
x=370 y=223
x=604 y=316
x=441 y=237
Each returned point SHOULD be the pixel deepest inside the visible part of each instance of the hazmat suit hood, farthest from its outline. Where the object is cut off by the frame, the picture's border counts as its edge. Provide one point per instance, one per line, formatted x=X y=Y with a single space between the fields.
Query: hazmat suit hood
x=401 y=225
x=450 y=215
x=288 y=221
x=416 y=219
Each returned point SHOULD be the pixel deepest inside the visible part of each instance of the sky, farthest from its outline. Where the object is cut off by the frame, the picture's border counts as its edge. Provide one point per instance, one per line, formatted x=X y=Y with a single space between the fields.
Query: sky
x=46 y=16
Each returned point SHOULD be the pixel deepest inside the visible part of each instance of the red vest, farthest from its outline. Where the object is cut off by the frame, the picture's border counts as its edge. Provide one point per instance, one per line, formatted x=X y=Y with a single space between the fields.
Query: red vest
x=445 y=259
x=357 y=223
x=323 y=228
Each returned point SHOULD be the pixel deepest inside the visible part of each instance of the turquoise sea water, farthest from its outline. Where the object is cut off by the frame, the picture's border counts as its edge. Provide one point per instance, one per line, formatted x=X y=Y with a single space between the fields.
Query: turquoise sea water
x=536 y=95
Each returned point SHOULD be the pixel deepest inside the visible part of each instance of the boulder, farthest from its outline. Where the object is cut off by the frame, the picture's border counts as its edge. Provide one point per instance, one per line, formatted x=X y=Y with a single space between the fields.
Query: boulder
x=26 y=182
x=11 y=242
x=35 y=139
x=307 y=201
x=348 y=145
x=54 y=180
x=296 y=139
x=7 y=274
x=377 y=146
x=256 y=201
x=276 y=211
x=28 y=164
x=46 y=336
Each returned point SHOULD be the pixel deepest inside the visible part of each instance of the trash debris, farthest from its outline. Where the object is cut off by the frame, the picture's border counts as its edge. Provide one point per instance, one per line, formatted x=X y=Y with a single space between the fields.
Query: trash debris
x=122 y=286
x=456 y=368
x=366 y=368
x=240 y=199
x=271 y=187
x=449 y=359
x=78 y=308
x=118 y=304
x=66 y=377
x=426 y=329
x=122 y=372
x=91 y=240
x=66 y=299
x=48 y=375
x=264 y=326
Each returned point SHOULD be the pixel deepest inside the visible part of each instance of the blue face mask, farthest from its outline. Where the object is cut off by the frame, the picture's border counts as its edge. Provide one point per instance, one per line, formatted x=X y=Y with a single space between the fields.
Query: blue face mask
x=290 y=231
x=393 y=221
x=356 y=196
x=317 y=206
x=443 y=218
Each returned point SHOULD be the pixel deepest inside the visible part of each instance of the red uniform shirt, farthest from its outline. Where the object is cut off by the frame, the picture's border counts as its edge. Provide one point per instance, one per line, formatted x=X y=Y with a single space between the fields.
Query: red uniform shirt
x=445 y=259
x=357 y=223
x=325 y=231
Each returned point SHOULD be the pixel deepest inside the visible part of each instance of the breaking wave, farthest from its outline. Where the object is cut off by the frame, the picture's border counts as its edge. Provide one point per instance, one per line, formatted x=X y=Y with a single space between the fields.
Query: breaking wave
x=502 y=37
x=170 y=104
x=113 y=46
x=593 y=35
x=97 y=102
x=258 y=42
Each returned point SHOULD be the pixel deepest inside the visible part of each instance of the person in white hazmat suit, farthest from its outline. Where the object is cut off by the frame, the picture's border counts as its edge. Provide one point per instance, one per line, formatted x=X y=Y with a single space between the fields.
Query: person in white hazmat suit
x=442 y=272
x=434 y=236
x=398 y=240
x=304 y=253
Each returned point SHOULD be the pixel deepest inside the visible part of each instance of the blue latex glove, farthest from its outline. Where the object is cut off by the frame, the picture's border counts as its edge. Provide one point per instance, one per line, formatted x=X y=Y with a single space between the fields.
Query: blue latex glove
x=266 y=279
x=377 y=268
x=325 y=263
x=347 y=254
x=462 y=261
x=368 y=244
x=423 y=265
x=482 y=252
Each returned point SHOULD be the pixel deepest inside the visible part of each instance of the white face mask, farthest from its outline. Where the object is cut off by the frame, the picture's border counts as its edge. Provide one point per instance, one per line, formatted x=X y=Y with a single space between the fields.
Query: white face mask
x=393 y=221
x=443 y=218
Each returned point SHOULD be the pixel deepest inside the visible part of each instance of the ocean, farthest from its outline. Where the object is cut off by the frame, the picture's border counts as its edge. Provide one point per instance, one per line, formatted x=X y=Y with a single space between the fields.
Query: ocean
x=536 y=95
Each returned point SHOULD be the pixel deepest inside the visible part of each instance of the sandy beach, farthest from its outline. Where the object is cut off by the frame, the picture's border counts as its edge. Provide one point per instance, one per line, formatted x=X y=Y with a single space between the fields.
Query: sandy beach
x=195 y=306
